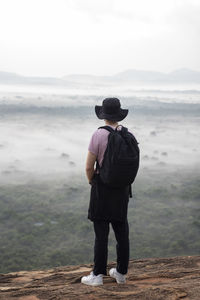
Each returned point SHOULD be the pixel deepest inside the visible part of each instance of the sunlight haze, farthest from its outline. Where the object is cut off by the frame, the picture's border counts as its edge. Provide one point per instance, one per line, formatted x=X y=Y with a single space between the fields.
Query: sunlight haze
x=57 y=38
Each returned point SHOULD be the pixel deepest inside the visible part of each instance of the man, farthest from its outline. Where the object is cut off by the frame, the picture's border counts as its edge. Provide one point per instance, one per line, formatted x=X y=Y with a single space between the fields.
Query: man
x=107 y=204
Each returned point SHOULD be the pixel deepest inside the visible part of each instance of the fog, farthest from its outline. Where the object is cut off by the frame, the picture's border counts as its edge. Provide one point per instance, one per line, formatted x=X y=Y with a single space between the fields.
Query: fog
x=45 y=135
x=50 y=95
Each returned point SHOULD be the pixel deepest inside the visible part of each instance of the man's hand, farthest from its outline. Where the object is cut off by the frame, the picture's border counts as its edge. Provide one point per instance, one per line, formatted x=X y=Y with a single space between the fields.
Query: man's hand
x=91 y=158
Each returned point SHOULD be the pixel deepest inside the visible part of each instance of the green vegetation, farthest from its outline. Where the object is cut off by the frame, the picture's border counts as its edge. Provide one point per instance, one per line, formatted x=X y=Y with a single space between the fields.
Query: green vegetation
x=44 y=225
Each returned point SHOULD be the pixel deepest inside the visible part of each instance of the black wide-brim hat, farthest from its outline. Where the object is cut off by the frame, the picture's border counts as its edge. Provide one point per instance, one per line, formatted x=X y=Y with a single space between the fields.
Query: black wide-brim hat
x=111 y=110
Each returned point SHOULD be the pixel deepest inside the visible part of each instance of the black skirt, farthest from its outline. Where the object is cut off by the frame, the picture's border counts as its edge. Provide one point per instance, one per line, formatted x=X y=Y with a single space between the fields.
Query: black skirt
x=107 y=203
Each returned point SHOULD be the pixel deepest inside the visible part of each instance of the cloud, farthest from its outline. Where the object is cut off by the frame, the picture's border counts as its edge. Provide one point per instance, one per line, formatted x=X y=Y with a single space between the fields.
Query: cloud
x=67 y=36
x=144 y=11
x=187 y=16
x=93 y=8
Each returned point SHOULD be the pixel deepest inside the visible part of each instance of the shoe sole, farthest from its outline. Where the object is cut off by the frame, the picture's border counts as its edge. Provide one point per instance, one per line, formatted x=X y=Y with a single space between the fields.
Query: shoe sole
x=92 y=284
x=119 y=282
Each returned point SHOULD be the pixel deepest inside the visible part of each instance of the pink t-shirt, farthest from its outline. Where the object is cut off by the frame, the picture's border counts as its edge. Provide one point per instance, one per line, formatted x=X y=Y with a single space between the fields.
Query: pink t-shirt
x=98 y=143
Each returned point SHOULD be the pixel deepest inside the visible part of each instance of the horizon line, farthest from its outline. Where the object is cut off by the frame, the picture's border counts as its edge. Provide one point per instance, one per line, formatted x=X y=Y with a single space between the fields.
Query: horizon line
x=90 y=74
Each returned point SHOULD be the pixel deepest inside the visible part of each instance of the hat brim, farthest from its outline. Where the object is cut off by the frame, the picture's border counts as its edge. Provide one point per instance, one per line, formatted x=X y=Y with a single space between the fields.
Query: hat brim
x=121 y=114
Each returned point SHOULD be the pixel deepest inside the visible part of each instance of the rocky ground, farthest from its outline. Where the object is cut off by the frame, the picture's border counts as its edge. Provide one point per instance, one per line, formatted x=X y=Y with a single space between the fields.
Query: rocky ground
x=155 y=278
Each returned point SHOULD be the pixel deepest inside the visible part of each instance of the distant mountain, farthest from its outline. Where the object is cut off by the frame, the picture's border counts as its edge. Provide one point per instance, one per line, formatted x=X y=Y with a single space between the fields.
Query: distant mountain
x=13 y=78
x=129 y=76
x=84 y=77
x=9 y=77
x=184 y=75
x=177 y=76
x=141 y=76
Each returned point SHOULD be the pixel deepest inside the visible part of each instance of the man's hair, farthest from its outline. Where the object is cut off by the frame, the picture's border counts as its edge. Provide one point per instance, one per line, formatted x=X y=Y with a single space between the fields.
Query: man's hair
x=111 y=121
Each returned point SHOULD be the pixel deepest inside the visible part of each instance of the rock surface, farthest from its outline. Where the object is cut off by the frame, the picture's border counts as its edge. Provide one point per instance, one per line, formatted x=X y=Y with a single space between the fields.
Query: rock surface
x=155 y=278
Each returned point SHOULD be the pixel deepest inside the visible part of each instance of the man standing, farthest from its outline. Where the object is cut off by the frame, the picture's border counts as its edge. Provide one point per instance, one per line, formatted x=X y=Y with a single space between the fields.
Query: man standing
x=107 y=204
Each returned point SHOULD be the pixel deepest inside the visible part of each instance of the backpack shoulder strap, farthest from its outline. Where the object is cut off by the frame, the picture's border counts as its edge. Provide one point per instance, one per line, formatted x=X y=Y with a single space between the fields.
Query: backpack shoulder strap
x=110 y=129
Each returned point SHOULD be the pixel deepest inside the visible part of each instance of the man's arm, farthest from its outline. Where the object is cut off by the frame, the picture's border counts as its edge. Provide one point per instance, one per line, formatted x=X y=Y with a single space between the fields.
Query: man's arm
x=91 y=158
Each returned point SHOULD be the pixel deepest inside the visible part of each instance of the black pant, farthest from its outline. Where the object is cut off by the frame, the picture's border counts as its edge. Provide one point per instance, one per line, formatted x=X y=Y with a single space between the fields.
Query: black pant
x=121 y=230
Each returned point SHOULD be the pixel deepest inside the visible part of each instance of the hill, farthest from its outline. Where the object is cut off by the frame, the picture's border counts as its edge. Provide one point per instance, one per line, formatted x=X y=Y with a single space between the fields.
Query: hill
x=126 y=77
x=154 y=278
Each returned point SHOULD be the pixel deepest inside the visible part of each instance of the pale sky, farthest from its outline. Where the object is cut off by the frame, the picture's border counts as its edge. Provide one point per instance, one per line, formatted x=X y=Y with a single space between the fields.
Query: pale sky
x=99 y=37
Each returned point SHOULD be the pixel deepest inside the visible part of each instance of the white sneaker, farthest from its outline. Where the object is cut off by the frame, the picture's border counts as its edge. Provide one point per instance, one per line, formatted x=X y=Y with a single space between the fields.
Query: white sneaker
x=92 y=279
x=120 y=278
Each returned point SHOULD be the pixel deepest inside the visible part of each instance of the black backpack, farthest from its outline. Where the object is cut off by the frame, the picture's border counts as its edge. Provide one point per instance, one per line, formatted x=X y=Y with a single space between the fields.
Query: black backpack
x=121 y=158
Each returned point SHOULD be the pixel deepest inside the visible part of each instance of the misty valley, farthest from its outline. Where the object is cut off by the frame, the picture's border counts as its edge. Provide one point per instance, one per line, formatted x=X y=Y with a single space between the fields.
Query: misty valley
x=44 y=194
